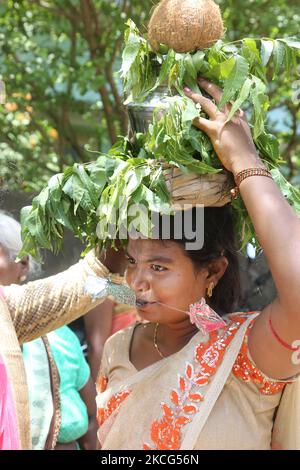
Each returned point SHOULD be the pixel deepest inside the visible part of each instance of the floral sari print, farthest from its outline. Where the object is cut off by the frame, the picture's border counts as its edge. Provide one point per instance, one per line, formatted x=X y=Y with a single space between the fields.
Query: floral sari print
x=166 y=396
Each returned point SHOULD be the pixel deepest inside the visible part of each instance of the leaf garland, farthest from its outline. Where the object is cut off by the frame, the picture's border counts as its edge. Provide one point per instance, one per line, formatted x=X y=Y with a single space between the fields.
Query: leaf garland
x=72 y=199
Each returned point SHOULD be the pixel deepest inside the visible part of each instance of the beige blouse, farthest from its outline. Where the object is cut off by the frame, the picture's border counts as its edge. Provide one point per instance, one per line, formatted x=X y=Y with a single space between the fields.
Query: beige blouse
x=242 y=418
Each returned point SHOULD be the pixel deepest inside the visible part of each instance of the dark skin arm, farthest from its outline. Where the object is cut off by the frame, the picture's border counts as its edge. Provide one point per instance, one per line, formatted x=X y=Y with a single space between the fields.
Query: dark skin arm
x=88 y=395
x=98 y=322
x=98 y=326
x=277 y=228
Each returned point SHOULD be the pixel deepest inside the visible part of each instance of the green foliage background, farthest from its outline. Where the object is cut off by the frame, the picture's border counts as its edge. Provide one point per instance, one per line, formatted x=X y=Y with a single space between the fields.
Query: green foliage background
x=59 y=60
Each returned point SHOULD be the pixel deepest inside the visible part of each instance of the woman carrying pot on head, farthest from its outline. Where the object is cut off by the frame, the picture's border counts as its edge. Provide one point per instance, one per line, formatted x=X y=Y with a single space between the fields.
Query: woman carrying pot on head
x=192 y=376
x=33 y=310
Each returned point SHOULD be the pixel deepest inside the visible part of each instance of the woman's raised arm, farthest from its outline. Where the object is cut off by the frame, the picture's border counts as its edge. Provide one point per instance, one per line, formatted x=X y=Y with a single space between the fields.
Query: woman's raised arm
x=277 y=228
x=44 y=305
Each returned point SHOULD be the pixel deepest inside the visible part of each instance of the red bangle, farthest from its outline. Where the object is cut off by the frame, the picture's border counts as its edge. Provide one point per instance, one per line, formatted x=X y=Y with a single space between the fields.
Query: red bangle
x=239 y=177
x=281 y=341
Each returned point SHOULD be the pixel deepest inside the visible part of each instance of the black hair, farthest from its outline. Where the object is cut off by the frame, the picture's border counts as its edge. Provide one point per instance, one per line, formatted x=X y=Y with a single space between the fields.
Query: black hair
x=219 y=237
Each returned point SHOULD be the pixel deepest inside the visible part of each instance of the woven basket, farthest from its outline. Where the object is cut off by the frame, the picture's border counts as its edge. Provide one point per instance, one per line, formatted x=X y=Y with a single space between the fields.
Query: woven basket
x=211 y=190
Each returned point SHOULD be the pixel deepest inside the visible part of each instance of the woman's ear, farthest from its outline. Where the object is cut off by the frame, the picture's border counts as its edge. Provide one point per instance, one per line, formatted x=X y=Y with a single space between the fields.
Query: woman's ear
x=216 y=270
x=23 y=268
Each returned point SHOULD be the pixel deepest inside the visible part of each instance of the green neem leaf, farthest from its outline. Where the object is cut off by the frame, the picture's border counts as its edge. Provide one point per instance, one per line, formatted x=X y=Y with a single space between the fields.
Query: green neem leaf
x=194 y=137
x=294 y=43
x=190 y=111
x=222 y=70
x=98 y=177
x=26 y=235
x=133 y=179
x=242 y=97
x=42 y=199
x=120 y=169
x=56 y=180
x=139 y=221
x=278 y=56
x=191 y=83
x=55 y=195
x=159 y=186
x=268 y=146
x=75 y=190
x=61 y=213
x=291 y=193
x=91 y=194
x=58 y=232
x=236 y=79
x=131 y=50
x=190 y=66
x=266 y=50
x=215 y=54
x=155 y=204
x=120 y=148
x=30 y=247
x=173 y=76
x=163 y=49
x=110 y=166
x=198 y=61
x=137 y=196
x=288 y=61
x=37 y=230
x=193 y=165
x=281 y=182
x=260 y=104
x=166 y=67
x=250 y=49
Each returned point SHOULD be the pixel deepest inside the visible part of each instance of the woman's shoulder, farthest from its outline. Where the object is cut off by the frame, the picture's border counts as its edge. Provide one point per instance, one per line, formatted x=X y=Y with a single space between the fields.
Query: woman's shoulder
x=241 y=317
x=121 y=337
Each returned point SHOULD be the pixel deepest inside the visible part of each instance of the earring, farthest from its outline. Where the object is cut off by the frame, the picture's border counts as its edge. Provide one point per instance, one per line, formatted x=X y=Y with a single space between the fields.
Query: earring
x=210 y=289
x=204 y=317
x=23 y=278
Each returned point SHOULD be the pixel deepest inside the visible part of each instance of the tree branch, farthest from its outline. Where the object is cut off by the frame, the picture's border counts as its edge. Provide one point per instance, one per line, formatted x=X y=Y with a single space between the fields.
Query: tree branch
x=64 y=12
x=87 y=18
x=109 y=75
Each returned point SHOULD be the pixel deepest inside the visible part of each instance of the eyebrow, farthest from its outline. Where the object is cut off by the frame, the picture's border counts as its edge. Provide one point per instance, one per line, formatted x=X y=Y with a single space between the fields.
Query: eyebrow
x=162 y=259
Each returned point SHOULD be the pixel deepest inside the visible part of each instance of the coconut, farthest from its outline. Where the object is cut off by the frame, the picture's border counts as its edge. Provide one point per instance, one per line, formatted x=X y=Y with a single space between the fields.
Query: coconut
x=185 y=25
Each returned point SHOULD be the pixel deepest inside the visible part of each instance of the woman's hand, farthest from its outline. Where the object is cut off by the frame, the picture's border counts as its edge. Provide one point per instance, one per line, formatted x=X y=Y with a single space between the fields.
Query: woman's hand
x=232 y=141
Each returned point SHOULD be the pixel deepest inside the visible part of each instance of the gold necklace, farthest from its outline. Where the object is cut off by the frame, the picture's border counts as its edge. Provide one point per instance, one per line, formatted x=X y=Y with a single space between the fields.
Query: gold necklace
x=155 y=341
